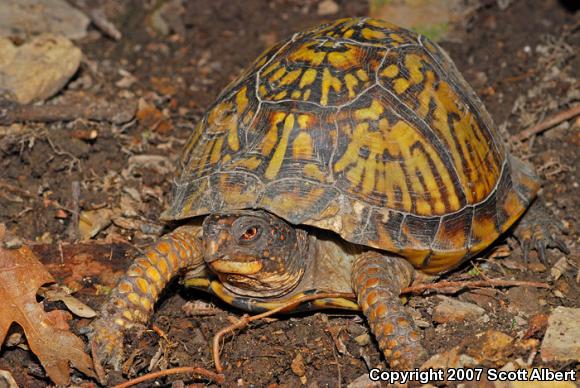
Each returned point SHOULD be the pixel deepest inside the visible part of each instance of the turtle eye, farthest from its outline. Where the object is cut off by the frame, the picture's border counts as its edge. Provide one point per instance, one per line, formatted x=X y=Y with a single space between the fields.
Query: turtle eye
x=250 y=234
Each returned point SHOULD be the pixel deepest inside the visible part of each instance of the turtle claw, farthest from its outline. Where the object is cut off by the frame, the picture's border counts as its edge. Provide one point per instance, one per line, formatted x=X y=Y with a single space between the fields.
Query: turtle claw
x=106 y=342
x=538 y=230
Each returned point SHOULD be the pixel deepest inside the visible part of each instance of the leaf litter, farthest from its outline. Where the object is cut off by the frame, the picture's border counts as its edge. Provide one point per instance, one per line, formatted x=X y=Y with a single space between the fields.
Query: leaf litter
x=21 y=275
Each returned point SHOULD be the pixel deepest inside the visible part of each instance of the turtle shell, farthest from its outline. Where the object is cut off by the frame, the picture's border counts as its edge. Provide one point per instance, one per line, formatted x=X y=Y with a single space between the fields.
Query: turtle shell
x=363 y=128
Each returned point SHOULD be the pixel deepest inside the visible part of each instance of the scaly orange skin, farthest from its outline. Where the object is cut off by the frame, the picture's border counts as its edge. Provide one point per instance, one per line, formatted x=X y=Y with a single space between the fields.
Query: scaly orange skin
x=131 y=301
x=377 y=281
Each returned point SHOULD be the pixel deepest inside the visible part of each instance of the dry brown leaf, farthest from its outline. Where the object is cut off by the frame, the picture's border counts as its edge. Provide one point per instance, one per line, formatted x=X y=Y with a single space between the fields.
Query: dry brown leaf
x=21 y=275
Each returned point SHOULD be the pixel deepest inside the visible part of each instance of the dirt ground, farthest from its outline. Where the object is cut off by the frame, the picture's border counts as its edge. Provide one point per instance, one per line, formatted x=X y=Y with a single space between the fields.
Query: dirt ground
x=522 y=61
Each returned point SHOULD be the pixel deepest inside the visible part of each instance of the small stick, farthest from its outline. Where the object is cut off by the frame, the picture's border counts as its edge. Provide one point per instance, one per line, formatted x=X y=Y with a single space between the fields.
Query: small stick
x=74 y=222
x=547 y=123
x=218 y=378
x=116 y=113
x=472 y=284
x=246 y=320
x=102 y=23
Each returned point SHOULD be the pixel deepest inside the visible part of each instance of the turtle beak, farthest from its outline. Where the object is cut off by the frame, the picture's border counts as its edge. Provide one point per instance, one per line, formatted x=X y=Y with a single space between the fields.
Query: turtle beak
x=224 y=264
x=227 y=266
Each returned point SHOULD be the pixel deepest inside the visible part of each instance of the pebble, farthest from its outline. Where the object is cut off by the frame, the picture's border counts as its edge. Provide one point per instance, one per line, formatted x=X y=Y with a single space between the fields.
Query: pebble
x=524 y=299
x=562 y=339
x=38 y=69
x=327 y=7
x=452 y=310
x=24 y=18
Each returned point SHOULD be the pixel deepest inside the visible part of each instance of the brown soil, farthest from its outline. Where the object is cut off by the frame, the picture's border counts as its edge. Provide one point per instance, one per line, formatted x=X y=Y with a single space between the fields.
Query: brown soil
x=521 y=54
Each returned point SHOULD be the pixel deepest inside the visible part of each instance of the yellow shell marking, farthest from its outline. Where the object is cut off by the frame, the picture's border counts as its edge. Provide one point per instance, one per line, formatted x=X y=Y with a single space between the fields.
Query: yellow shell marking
x=242 y=99
x=351 y=82
x=369 y=34
x=362 y=75
x=250 y=163
x=271 y=137
x=390 y=71
x=413 y=64
x=216 y=151
x=328 y=81
x=401 y=85
x=291 y=77
x=371 y=113
x=313 y=171
x=306 y=54
x=307 y=78
x=271 y=67
x=278 y=157
x=304 y=121
x=278 y=74
x=345 y=60
x=302 y=146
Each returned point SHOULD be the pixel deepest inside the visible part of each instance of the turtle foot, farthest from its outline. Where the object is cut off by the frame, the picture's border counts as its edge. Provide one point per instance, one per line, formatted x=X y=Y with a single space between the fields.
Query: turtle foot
x=377 y=281
x=539 y=230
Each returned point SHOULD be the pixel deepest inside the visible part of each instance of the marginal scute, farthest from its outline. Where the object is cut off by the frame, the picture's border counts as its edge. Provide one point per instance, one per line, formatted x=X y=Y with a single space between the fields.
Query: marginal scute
x=365 y=129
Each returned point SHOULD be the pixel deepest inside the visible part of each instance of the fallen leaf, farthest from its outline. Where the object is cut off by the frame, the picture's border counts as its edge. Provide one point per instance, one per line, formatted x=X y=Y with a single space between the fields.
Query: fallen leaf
x=75 y=306
x=21 y=275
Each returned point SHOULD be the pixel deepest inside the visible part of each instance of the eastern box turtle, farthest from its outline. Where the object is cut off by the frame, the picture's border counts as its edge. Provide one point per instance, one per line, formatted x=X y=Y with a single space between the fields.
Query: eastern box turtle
x=341 y=160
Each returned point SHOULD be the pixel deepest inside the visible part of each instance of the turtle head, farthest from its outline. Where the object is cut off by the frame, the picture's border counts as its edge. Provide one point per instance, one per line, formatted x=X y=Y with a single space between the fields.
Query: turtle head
x=254 y=253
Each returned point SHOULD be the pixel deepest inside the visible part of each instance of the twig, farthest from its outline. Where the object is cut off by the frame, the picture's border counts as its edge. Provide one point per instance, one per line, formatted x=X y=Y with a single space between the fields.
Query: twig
x=246 y=320
x=547 y=123
x=100 y=21
x=75 y=207
x=116 y=113
x=218 y=378
x=472 y=284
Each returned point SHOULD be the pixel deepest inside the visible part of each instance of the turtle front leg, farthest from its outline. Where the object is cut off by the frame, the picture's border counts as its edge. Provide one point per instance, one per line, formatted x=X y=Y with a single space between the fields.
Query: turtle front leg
x=131 y=301
x=377 y=281
x=538 y=230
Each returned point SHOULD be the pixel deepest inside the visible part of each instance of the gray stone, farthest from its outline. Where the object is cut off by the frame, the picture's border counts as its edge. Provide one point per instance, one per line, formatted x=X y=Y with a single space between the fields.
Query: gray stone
x=38 y=69
x=452 y=310
x=562 y=339
x=23 y=18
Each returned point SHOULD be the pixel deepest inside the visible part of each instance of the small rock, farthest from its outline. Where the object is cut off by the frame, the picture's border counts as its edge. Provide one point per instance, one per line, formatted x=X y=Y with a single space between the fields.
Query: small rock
x=524 y=299
x=38 y=69
x=559 y=268
x=24 y=18
x=13 y=243
x=562 y=339
x=327 y=7
x=363 y=339
x=452 y=310
x=520 y=321
x=161 y=165
x=298 y=367
x=492 y=346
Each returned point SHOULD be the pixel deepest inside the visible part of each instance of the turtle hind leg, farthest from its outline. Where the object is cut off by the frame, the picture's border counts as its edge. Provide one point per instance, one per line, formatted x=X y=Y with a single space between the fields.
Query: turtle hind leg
x=377 y=281
x=538 y=230
x=131 y=301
